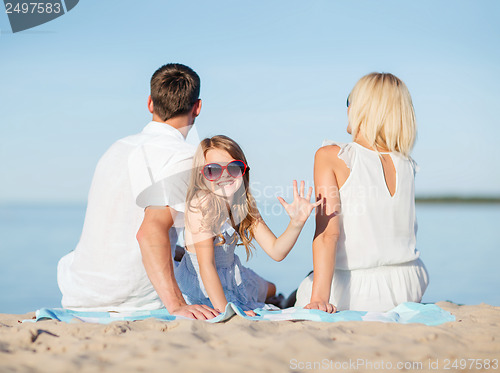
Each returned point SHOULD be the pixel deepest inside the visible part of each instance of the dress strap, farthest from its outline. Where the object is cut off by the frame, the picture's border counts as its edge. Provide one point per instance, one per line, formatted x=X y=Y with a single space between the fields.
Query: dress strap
x=347 y=151
x=227 y=228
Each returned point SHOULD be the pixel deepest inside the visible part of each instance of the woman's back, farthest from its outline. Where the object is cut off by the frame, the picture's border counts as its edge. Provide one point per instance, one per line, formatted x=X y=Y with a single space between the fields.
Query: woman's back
x=377 y=265
x=377 y=220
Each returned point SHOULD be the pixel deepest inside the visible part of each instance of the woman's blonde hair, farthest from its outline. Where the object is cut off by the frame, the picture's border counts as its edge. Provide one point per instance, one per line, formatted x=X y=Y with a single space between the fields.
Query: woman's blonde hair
x=243 y=212
x=381 y=109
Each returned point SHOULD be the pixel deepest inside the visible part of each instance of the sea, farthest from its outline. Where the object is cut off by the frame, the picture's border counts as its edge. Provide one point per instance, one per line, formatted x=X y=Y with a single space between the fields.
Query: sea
x=459 y=244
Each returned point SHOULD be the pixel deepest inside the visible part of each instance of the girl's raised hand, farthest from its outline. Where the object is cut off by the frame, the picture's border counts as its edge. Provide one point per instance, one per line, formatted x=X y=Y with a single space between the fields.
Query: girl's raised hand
x=301 y=207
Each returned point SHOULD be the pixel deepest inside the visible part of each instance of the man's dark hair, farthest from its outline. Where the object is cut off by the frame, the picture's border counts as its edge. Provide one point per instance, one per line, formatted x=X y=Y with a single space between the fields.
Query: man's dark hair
x=175 y=88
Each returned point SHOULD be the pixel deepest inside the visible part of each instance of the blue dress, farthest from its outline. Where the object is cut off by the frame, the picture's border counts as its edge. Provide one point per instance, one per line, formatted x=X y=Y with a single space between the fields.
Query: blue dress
x=241 y=285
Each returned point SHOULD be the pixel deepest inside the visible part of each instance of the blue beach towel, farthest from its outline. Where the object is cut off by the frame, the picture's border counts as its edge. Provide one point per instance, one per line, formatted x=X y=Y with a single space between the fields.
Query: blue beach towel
x=405 y=313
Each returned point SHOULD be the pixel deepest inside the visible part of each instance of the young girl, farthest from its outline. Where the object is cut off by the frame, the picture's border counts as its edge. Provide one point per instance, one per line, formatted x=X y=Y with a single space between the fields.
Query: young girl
x=220 y=212
x=364 y=250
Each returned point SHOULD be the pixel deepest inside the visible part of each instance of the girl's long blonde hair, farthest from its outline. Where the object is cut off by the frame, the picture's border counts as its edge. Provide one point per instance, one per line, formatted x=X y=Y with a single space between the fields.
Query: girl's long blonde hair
x=381 y=109
x=243 y=212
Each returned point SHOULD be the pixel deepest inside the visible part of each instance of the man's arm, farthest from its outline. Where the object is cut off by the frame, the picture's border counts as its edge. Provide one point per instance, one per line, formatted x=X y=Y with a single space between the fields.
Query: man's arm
x=156 y=253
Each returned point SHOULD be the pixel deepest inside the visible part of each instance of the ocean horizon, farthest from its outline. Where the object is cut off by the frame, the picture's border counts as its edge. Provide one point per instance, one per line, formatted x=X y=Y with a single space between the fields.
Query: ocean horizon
x=458 y=244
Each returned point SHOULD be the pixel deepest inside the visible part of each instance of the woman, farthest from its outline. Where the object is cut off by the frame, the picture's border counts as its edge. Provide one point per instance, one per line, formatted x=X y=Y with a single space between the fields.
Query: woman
x=364 y=249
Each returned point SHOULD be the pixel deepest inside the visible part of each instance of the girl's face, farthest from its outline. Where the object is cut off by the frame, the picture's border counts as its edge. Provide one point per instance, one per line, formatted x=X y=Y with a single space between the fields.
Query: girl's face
x=226 y=185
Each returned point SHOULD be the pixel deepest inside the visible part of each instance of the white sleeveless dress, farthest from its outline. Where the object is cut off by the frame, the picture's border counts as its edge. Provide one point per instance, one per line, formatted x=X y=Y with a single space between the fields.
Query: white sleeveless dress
x=377 y=263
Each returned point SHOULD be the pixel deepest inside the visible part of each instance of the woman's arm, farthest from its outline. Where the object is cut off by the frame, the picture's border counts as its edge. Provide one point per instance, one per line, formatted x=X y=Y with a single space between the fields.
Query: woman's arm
x=327 y=227
x=203 y=242
x=299 y=210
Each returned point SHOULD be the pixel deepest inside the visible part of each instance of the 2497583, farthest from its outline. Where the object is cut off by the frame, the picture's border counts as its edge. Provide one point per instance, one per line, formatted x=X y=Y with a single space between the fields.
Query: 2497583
x=32 y=8
x=480 y=364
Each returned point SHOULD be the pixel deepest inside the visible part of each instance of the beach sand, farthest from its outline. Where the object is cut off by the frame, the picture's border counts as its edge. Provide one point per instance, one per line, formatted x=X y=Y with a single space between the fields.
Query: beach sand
x=239 y=345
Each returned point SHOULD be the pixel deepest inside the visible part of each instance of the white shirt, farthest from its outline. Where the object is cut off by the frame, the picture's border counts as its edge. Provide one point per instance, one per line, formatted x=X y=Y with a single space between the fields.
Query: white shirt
x=105 y=271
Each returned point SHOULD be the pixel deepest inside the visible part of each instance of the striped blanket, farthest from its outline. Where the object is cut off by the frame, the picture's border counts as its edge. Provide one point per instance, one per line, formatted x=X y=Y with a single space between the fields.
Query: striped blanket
x=405 y=313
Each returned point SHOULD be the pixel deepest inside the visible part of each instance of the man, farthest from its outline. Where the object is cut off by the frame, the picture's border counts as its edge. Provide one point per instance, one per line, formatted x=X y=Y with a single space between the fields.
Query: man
x=123 y=261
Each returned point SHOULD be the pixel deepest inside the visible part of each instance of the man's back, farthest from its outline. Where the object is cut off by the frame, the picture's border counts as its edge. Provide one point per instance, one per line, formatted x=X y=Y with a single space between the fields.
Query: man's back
x=105 y=271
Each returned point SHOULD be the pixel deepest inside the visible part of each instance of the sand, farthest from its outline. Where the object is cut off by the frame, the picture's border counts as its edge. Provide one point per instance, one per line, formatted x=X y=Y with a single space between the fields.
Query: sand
x=239 y=345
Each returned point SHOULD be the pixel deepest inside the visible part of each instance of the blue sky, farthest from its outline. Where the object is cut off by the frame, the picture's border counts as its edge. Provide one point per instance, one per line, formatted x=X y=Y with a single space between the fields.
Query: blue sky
x=275 y=77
